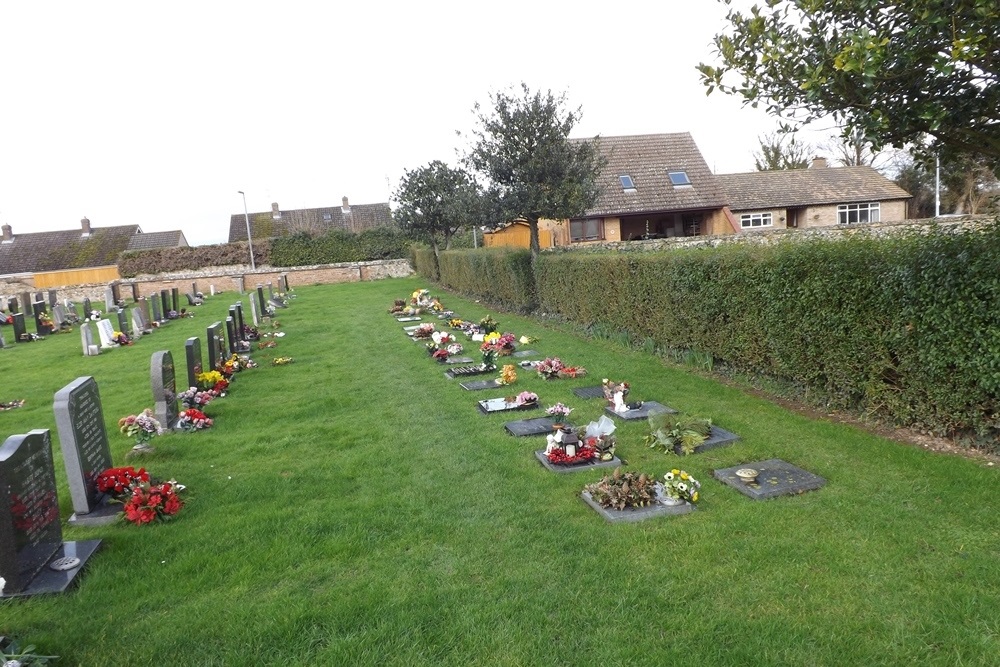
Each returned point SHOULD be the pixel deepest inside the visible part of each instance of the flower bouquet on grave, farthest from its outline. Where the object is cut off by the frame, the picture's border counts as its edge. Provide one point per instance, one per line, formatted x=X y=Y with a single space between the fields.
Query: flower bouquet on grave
x=459 y=323
x=679 y=485
x=600 y=435
x=527 y=340
x=438 y=354
x=143 y=428
x=10 y=405
x=562 y=454
x=213 y=382
x=525 y=398
x=488 y=325
x=615 y=393
x=119 y=482
x=46 y=321
x=671 y=432
x=397 y=307
x=624 y=490
x=508 y=374
x=425 y=330
x=504 y=343
x=193 y=419
x=489 y=352
x=193 y=398
x=442 y=338
x=172 y=315
x=559 y=413
x=548 y=368
x=153 y=502
x=120 y=338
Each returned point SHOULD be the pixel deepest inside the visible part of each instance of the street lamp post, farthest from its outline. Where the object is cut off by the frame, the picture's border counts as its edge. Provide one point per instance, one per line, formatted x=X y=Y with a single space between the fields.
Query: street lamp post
x=246 y=216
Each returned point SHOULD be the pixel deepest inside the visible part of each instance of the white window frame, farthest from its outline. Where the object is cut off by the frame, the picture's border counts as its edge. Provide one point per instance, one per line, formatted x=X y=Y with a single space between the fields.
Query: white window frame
x=756 y=220
x=850 y=214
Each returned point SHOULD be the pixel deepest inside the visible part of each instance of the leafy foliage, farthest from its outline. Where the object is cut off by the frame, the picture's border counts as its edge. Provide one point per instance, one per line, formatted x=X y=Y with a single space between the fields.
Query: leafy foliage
x=500 y=275
x=670 y=431
x=161 y=260
x=436 y=201
x=780 y=151
x=338 y=245
x=622 y=490
x=534 y=171
x=888 y=70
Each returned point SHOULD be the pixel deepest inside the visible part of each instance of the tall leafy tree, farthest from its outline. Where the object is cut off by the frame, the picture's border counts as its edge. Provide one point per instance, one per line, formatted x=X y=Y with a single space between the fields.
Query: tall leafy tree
x=435 y=202
x=892 y=71
x=780 y=151
x=532 y=168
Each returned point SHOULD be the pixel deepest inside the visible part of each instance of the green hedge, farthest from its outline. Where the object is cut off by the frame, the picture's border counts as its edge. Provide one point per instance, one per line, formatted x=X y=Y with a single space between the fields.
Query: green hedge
x=338 y=245
x=424 y=262
x=501 y=276
x=907 y=327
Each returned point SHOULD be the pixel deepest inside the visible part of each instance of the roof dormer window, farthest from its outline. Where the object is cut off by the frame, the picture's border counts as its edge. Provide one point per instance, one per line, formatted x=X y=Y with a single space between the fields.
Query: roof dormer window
x=679 y=178
x=628 y=185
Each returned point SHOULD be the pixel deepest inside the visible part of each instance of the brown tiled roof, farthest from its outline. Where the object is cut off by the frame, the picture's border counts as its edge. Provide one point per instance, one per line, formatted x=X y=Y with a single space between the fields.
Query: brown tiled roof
x=150 y=240
x=357 y=218
x=54 y=251
x=647 y=158
x=758 y=190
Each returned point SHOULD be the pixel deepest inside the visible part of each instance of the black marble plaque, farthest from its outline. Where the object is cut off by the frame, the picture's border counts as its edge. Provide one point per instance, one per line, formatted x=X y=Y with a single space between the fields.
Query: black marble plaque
x=642 y=412
x=478 y=385
x=525 y=353
x=468 y=371
x=575 y=467
x=491 y=405
x=83 y=440
x=192 y=352
x=589 y=392
x=536 y=426
x=633 y=514
x=774 y=478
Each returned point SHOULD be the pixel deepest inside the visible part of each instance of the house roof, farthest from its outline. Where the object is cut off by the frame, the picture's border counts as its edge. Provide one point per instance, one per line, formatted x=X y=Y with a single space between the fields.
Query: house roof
x=150 y=240
x=70 y=249
x=807 y=187
x=647 y=159
x=353 y=218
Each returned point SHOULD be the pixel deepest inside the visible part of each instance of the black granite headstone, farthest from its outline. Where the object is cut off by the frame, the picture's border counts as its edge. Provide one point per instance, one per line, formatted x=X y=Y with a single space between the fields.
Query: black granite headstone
x=467 y=371
x=478 y=385
x=192 y=351
x=261 y=303
x=165 y=302
x=536 y=426
x=38 y=308
x=215 y=339
x=12 y=305
x=492 y=405
x=240 y=324
x=158 y=313
x=135 y=292
x=122 y=321
x=164 y=383
x=231 y=334
x=774 y=478
x=175 y=299
x=87 y=307
x=19 y=329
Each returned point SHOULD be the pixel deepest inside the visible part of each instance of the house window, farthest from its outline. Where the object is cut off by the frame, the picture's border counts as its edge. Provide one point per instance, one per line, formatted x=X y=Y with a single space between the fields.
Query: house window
x=750 y=220
x=628 y=185
x=328 y=217
x=591 y=229
x=848 y=214
x=679 y=178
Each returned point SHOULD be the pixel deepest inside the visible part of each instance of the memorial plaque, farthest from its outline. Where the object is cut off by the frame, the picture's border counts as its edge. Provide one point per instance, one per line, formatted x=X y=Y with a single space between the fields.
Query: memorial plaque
x=90 y=348
x=491 y=405
x=774 y=478
x=525 y=427
x=633 y=514
x=525 y=353
x=479 y=385
x=192 y=351
x=215 y=340
x=38 y=308
x=86 y=452
x=161 y=375
x=19 y=330
x=459 y=360
x=154 y=301
x=412 y=318
x=30 y=531
x=468 y=371
x=642 y=412
x=410 y=329
x=589 y=392
x=575 y=467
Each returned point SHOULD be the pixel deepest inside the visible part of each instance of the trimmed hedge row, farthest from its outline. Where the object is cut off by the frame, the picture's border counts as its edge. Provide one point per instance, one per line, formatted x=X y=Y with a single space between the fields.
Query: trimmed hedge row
x=162 y=260
x=338 y=245
x=499 y=275
x=906 y=328
x=424 y=262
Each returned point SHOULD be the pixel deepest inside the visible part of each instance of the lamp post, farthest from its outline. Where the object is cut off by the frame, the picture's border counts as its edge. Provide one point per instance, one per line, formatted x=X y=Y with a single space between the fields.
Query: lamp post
x=246 y=216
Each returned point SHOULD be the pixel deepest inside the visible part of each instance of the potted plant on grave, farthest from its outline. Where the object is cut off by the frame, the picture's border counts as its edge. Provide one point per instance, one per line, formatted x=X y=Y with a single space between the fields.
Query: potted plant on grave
x=193 y=419
x=676 y=433
x=624 y=490
x=508 y=374
x=143 y=428
x=488 y=325
x=560 y=414
x=679 y=487
x=193 y=398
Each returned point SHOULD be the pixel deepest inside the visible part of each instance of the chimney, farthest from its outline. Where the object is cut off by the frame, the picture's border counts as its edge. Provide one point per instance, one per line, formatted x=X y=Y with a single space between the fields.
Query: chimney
x=275 y=211
x=818 y=163
x=85 y=225
x=346 y=207
x=8 y=234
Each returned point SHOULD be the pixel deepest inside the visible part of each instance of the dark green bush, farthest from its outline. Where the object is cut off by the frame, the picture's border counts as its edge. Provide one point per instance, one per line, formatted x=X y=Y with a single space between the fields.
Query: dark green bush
x=502 y=276
x=338 y=245
x=424 y=262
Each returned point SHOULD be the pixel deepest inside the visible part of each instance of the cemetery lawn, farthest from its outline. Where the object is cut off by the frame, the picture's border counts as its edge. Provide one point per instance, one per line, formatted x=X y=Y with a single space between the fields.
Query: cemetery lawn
x=354 y=508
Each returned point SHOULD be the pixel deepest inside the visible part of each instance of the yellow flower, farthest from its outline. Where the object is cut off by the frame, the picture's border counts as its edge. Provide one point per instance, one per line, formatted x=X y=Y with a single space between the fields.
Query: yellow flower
x=694 y=497
x=676 y=471
x=491 y=337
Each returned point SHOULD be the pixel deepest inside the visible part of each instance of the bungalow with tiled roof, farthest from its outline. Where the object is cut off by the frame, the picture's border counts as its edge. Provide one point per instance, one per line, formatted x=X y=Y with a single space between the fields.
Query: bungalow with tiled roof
x=652 y=186
x=819 y=196
x=69 y=249
x=276 y=222
x=153 y=240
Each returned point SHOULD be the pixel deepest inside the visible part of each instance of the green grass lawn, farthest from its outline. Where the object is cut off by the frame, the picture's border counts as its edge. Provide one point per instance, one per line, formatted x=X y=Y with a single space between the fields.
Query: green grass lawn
x=354 y=507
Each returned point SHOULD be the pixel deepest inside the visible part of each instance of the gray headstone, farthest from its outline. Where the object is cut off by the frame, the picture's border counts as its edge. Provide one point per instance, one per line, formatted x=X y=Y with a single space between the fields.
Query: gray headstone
x=164 y=302
x=53 y=298
x=175 y=299
x=241 y=284
x=479 y=385
x=192 y=351
x=86 y=452
x=154 y=301
x=106 y=331
x=633 y=514
x=19 y=330
x=253 y=312
x=589 y=392
x=26 y=302
x=30 y=531
x=240 y=324
x=87 y=307
x=285 y=277
x=261 y=303
x=135 y=292
x=59 y=315
x=161 y=375
x=137 y=328
x=90 y=348
x=215 y=340
x=536 y=426
x=642 y=412
x=283 y=283
x=231 y=334
x=109 y=299
x=39 y=296
x=116 y=291
x=123 y=321
x=146 y=316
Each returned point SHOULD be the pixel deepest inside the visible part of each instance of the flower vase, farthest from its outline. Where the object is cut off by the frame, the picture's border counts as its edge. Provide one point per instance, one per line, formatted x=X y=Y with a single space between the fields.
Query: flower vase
x=671 y=502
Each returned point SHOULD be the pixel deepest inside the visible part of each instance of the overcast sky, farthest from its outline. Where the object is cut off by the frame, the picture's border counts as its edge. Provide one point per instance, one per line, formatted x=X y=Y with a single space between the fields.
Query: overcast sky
x=157 y=113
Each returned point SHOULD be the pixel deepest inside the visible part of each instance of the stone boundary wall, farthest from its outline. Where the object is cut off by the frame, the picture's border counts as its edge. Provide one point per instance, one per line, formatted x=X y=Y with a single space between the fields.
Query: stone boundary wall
x=226 y=279
x=764 y=237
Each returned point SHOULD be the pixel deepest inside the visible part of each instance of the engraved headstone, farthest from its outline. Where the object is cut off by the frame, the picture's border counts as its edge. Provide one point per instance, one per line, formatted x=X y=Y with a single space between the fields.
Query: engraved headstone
x=88 y=308
x=90 y=348
x=589 y=392
x=241 y=284
x=59 y=316
x=39 y=296
x=164 y=302
x=215 y=340
x=109 y=299
x=86 y=452
x=194 y=288
x=642 y=412
x=161 y=375
x=30 y=531
x=231 y=334
x=137 y=327
x=116 y=291
x=38 y=308
x=774 y=478
x=261 y=304
x=287 y=286
x=240 y=324
x=192 y=351
x=147 y=325
x=524 y=427
x=135 y=292
x=154 y=301
x=26 y=302
x=12 y=305
x=122 y=321
x=283 y=283
x=478 y=385
x=19 y=330
x=53 y=298
x=107 y=333
x=175 y=299
x=253 y=312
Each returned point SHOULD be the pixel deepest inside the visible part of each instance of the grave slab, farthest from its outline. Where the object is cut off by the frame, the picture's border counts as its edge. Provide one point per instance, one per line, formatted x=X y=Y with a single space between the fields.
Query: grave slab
x=479 y=385
x=459 y=360
x=408 y=319
x=717 y=437
x=642 y=412
x=526 y=353
x=590 y=465
x=633 y=515
x=775 y=478
x=492 y=405
x=468 y=371
x=589 y=392
x=526 y=427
